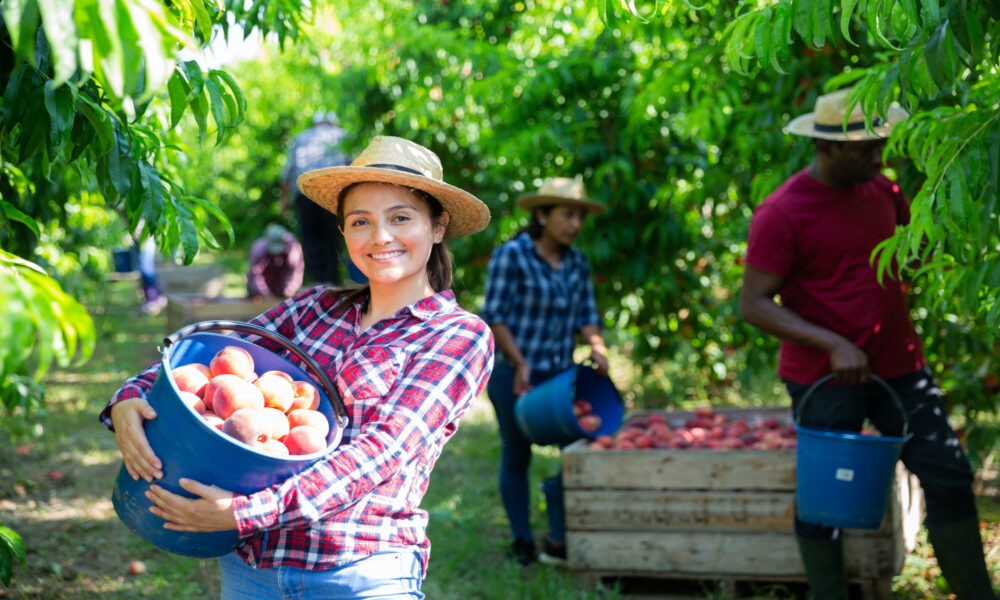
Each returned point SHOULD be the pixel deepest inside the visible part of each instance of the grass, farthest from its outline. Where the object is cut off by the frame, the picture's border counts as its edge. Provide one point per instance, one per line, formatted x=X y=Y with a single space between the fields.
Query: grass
x=55 y=491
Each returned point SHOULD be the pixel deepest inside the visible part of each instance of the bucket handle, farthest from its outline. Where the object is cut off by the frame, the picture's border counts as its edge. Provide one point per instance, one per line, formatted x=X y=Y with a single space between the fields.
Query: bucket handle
x=876 y=379
x=324 y=378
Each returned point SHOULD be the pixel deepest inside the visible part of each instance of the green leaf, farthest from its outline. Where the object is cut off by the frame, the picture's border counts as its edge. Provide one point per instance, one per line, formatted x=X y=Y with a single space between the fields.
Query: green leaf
x=846 y=13
x=218 y=109
x=61 y=105
x=11 y=548
x=57 y=20
x=13 y=213
x=21 y=19
x=178 y=90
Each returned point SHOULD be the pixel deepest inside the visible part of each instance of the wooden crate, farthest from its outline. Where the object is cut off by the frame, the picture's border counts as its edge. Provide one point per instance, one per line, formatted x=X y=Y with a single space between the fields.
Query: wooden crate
x=184 y=309
x=725 y=515
x=195 y=280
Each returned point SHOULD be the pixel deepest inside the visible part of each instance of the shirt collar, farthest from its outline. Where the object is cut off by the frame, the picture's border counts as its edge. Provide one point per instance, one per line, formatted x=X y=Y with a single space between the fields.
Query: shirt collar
x=424 y=309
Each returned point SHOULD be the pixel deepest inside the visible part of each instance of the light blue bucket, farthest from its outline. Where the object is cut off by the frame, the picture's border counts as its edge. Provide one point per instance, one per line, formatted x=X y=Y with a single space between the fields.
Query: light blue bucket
x=545 y=413
x=844 y=479
x=191 y=448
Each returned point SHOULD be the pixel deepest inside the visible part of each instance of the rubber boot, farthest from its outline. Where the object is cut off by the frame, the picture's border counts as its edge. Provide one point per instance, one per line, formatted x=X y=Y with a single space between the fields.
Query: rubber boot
x=959 y=550
x=824 y=563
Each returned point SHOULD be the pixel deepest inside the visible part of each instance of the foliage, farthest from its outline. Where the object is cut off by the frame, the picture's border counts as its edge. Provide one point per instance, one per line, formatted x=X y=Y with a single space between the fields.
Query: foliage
x=11 y=549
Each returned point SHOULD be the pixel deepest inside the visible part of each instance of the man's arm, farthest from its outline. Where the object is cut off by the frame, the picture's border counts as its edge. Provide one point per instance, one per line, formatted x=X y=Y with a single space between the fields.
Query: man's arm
x=758 y=307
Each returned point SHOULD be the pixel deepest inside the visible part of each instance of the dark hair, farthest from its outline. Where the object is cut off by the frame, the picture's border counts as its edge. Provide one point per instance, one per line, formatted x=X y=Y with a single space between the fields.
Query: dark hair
x=534 y=228
x=439 y=266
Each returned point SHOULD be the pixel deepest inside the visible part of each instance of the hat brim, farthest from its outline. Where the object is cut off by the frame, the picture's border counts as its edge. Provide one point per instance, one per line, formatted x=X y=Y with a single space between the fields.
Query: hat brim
x=530 y=202
x=805 y=126
x=468 y=214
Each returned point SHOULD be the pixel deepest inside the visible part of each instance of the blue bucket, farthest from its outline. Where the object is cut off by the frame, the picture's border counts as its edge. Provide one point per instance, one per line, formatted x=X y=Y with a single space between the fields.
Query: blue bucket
x=545 y=413
x=844 y=479
x=189 y=447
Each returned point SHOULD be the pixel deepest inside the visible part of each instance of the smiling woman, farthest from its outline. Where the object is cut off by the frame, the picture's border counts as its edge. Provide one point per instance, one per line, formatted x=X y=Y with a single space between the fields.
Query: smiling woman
x=406 y=359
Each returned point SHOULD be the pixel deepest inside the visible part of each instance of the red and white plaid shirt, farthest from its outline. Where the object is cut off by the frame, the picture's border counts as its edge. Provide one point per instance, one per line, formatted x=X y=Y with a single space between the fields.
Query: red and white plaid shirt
x=406 y=381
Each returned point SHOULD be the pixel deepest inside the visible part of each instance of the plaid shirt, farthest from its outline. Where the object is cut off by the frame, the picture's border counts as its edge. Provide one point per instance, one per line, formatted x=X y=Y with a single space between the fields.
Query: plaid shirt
x=405 y=381
x=543 y=307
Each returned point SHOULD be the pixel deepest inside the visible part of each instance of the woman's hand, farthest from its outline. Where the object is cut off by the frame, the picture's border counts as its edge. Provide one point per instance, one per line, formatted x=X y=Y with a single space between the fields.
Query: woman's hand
x=212 y=510
x=598 y=356
x=127 y=417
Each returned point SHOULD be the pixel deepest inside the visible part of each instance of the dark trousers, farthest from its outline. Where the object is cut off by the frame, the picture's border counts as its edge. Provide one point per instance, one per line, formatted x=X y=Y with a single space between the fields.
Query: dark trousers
x=321 y=241
x=515 y=460
x=933 y=454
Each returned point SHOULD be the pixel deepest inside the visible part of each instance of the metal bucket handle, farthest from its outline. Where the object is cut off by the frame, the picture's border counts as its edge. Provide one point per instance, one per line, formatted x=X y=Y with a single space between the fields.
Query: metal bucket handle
x=321 y=375
x=876 y=379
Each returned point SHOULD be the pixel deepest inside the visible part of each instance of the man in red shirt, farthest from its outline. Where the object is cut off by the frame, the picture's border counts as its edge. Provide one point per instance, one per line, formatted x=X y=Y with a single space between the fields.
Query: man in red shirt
x=811 y=243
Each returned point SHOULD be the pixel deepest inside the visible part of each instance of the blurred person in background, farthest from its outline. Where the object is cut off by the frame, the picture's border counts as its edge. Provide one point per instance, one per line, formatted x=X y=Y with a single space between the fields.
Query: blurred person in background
x=275 y=267
x=811 y=243
x=316 y=148
x=539 y=298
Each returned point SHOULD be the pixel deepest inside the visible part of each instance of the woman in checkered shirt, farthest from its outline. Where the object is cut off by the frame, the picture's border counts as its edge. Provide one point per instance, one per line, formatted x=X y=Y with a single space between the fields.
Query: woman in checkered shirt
x=405 y=358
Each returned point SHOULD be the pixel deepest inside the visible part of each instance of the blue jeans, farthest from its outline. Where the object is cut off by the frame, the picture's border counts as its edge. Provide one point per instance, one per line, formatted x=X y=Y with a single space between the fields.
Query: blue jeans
x=386 y=575
x=933 y=454
x=515 y=460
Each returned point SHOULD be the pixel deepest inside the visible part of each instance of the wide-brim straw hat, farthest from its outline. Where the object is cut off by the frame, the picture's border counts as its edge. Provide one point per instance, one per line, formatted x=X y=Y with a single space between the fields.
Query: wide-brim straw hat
x=560 y=191
x=826 y=122
x=402 y=162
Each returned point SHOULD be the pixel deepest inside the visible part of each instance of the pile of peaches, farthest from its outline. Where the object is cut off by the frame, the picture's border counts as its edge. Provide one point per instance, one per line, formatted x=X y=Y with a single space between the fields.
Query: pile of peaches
x=705 y=429
x=271 y=412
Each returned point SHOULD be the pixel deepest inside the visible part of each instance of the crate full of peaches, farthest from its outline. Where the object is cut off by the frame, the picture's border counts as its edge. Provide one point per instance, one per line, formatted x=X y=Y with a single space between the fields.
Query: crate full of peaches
x=271 y=412
x=704 y=429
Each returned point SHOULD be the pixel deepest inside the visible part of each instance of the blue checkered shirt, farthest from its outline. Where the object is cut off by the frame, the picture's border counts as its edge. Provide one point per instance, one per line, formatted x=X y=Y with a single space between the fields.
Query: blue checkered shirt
x=314 y=148
x=543 y=307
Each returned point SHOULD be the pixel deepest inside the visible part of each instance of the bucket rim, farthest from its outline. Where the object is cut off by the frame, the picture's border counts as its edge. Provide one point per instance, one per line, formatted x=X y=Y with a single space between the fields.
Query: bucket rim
x=850 y=435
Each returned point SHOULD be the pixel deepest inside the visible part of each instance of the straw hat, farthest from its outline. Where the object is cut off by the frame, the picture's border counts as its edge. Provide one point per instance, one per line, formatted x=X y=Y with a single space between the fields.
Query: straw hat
x=402 y=162
x=560 y=190
x=827 y=120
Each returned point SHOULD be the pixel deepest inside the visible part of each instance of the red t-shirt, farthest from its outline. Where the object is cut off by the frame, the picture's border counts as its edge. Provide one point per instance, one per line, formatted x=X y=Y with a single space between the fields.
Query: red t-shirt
x=820 y=239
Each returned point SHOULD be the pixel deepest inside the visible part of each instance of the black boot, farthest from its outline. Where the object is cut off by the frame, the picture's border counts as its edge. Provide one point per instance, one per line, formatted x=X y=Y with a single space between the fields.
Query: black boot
x=959 y=550
x=824 y=562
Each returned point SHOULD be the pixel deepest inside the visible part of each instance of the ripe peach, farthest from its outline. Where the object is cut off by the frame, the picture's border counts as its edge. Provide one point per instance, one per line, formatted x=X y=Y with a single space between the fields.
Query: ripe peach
x=275 y=447
x=212 y=420
x=278 y=422
x=304 y=440
x=234 y=361
x=581 y=407
x=249 y=426
x=213 y=384
x=306 y=396
x=232 y=395
x=192 y=377
x=277 y=391
x=281 y=374
x=312 y=418
x=136 y=567
x=193 y=401
x=589 y=423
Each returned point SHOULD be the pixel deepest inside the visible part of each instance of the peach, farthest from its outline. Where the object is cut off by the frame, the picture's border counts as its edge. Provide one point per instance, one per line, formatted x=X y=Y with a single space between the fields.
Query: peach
x=193 y=401
x=278 y=422
x=213 y=384
x=192 y=377
x=249 y=426
x=275 y=447
x=233 y=360
x=581 y=407
x=278 y=391
x=212 y=420
x=234 y=394
x=312 y=418
x=589 y=423
x=281 y=374
x=306 y=396
x=304 y=440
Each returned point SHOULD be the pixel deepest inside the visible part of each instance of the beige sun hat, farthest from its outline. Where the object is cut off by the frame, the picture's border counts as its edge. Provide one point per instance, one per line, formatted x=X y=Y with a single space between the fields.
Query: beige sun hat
x=826 y=122
x=560 y=190
x=402 y=162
